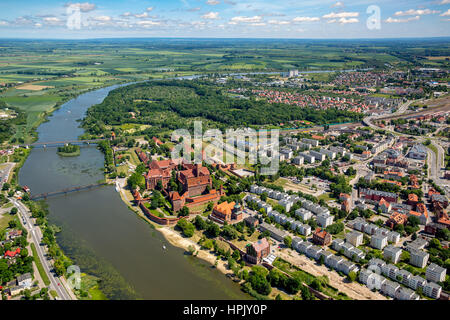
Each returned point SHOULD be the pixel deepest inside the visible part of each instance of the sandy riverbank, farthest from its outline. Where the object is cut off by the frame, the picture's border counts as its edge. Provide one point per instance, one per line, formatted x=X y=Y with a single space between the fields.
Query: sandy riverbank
x=179 y=241
x=175 y=238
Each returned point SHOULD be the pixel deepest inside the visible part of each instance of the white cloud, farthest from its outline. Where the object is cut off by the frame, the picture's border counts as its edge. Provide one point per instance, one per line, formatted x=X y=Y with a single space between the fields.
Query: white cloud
x=305 y=19
x=254 y=19
x=412 y=12
x=350 y=20
x=395 y=20
x=331 y=21
x=445 y=2
x=37 y=25
x=102 y=18
x=84 y=7
x=338 y=4
x=446 y=13
x=4 y=23
x=126 y=14
x=211 y=16
x=277 y=22
x=258 y=24
x=148 y=23
x=150 y=9
x=142 y=15
x=334 y=15
x=52 y=20
x=212 y=2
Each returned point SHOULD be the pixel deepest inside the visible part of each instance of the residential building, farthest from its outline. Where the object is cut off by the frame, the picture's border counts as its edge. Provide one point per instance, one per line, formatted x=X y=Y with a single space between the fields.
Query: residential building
x=432 y=290
x=304 y=214
x=435 y=273
x=275 y=233
x=389 y=270
x=416 y=282
x=392 y=253
x=390 y=288
x=304 y=229
x=298 y=160
x=355 y=238
x=317 y=155
x=321 y=237
x=324 y=220
x=418 y=258
x=378 y=241
x=25 y=281
x=406 y=294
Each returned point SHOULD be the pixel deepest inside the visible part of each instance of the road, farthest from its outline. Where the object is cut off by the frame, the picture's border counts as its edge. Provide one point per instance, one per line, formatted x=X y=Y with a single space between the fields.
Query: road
x=36 y=238
x=6 y=172
x=435 y=165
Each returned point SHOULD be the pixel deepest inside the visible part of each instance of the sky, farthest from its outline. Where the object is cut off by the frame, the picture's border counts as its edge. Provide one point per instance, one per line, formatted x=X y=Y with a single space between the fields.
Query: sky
x=297 y=19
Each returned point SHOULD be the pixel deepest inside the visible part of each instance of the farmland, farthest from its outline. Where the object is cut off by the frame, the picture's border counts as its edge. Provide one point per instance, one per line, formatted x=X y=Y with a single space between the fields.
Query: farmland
x=38 y=76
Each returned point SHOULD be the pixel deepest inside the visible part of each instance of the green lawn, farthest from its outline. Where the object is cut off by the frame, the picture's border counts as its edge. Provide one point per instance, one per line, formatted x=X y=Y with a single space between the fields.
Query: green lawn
x=39 y=266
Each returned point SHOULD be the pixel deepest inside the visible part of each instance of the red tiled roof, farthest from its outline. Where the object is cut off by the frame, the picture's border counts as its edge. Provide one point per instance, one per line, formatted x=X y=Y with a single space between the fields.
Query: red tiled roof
x=12 y=254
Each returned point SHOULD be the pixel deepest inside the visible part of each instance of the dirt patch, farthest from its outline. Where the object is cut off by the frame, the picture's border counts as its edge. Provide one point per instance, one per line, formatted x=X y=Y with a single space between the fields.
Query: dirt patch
x=33 y=87
x=353 y=290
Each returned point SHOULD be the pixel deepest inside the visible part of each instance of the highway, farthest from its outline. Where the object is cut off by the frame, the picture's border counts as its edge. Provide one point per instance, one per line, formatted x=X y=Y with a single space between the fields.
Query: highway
x=36 y=238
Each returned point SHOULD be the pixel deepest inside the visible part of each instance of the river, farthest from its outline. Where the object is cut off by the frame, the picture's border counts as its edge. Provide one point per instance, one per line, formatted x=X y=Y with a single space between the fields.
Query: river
x=101 y=234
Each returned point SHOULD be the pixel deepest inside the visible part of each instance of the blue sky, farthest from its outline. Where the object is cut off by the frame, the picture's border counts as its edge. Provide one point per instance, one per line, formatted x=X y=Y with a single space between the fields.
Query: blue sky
x=224 y=18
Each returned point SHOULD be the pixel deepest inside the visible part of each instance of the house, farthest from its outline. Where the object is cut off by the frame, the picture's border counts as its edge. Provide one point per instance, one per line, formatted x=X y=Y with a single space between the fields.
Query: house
x=346 y=206
x=413 y=199
x=286 y=204
x=257 y=251
x=421 y=216
x=384 y=206
x=396 y=218
x=392 y=253
x=11 y=254
x=312 y=142
x=308 y=157
x=418 y=258
x=25 y=280
x=251 y=221
x=435 y=273
x=355 y=238
x=378 y=241
x=321 y=237
x=432 y=290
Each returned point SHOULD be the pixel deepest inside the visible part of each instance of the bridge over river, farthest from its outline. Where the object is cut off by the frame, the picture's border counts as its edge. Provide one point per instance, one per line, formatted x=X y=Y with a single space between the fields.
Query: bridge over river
x=54 y=144
x=66 y=191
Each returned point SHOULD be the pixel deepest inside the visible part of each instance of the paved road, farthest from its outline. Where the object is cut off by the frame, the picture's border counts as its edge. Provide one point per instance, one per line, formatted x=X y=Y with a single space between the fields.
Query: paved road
x=36 y=238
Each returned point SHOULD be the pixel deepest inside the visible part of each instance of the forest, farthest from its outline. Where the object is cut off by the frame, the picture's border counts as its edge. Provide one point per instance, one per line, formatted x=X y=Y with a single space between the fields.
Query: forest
x=167 y=104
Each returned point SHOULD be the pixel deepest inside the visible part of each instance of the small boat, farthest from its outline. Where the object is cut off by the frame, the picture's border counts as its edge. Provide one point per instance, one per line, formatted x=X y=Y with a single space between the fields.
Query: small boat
x=164 y=247
x=117 y=186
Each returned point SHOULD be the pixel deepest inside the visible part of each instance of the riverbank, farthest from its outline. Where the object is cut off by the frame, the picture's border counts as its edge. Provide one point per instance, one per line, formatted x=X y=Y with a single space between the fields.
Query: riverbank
x=172 y=236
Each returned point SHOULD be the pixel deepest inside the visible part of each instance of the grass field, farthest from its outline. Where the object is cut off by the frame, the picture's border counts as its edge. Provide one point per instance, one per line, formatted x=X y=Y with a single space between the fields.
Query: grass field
x=39 y=266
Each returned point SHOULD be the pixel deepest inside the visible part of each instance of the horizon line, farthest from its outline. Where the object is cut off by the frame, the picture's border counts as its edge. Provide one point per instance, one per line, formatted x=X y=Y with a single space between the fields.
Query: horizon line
x=223 y=38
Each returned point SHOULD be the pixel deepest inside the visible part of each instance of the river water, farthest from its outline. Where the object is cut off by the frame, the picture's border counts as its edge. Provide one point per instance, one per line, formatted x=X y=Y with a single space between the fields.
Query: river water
x=101 y=234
